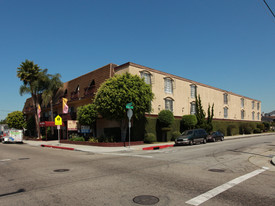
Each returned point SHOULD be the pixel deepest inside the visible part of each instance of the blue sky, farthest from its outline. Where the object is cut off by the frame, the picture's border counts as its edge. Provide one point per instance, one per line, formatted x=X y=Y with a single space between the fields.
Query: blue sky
x=225 y=44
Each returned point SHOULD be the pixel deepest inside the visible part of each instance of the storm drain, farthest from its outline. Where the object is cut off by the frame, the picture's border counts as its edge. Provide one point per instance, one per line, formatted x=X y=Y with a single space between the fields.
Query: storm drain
x=146 y=200
x=61 y=170
x=24 y=158
x=216 y=170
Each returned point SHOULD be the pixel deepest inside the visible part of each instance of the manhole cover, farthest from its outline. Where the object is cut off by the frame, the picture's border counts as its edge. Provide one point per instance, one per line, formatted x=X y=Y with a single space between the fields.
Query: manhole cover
x=24 y=158
x=216 y=170
x=146 y=200
x=61 y=170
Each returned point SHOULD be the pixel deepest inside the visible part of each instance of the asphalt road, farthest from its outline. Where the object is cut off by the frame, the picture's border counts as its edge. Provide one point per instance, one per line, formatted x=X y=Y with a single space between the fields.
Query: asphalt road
x=215 y=174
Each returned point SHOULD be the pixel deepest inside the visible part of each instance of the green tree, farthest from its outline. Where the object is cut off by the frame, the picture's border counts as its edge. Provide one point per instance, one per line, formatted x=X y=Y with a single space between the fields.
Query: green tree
x=116 y=92
x=34 y=82
x=210 y=114
x=188 y=122
x=200 y=114
x=165 y=119
x=52 y=84
x=87 y=115
x=16 y=120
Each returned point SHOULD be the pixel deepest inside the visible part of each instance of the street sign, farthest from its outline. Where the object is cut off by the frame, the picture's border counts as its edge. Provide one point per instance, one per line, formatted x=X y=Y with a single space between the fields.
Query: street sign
x=58 y=120
x=129 y=106
x=129 y=113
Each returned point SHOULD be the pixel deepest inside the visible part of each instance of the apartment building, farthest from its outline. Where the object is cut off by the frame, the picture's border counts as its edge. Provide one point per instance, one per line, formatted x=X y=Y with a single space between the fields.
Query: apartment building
x=173 y=93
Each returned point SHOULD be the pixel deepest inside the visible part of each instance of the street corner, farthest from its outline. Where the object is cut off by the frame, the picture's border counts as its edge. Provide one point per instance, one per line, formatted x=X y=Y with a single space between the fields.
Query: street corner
x=266 y=159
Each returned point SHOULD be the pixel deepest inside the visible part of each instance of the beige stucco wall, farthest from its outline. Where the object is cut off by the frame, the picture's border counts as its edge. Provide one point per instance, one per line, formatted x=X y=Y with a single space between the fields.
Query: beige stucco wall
x=182 y=96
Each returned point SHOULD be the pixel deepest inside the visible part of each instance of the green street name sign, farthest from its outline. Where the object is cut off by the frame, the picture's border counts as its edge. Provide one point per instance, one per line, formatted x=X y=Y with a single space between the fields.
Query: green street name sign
x=129 y=106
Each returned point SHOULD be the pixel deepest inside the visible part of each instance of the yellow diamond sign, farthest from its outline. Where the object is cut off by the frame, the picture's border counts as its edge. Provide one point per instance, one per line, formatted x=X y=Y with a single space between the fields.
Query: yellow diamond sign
x=58 y=120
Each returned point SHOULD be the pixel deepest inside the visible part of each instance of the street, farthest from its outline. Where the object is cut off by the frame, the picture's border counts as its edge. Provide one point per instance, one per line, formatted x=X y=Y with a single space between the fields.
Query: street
x=235 y=172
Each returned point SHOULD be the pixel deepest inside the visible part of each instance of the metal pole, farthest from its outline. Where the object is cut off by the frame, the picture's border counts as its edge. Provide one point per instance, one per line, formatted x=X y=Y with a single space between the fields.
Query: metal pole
x=58 y=136
x=129 y=133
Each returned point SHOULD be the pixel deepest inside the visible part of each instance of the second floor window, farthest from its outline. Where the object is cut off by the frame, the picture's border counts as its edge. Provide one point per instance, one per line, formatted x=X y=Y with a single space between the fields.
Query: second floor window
x=253 y=104
x=193 y=90
x=253 y=115
x=168 y=86
x=258 y=105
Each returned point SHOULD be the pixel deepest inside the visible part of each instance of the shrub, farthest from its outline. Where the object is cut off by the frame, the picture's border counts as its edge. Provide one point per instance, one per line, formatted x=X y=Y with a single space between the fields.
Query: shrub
x=232 y=130
x=257 y=130
x=188 y=122
x=246 y=128
x=77 y=139
x=150 y=138
x=261 y=126
x=93 y=140
x=166 y=118
x=175 y=134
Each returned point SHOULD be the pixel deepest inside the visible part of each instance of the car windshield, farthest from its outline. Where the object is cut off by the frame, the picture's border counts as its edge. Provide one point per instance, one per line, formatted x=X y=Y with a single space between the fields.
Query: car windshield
x=188 y=132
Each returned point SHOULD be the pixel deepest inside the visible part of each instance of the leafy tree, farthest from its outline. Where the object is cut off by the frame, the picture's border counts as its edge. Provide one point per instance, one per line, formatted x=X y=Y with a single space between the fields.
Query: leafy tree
x=3 y=121
x=16 y=120
x=116 y=92
x=188 y=122
x=165 y=118
x=86 y=115
x=210 y=114
x=200 y=114
x=34 y=82
x=52 y=83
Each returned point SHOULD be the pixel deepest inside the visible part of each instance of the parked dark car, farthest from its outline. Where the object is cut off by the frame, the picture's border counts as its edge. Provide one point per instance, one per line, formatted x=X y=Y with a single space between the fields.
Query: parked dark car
x=191 y=137
x=214 y=136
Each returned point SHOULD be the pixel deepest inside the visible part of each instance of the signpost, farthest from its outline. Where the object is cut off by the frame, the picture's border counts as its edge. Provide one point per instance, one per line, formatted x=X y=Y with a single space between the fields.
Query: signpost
x=58 y=122
x=129 y=106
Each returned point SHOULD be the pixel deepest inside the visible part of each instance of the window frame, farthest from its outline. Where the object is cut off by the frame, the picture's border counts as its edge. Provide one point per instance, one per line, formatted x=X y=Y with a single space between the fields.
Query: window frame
x=168 y=90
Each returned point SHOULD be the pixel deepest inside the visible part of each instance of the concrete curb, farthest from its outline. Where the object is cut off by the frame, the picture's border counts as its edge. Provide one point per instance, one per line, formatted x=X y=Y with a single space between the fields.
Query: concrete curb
x=157 y=147
x=57 y=147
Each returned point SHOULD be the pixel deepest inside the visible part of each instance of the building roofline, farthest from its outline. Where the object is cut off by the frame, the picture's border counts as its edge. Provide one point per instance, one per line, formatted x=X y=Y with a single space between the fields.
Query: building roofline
x=180 y=78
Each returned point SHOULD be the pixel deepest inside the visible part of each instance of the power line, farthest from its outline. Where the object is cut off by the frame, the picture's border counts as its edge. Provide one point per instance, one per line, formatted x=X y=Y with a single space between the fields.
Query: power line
x=269 y=8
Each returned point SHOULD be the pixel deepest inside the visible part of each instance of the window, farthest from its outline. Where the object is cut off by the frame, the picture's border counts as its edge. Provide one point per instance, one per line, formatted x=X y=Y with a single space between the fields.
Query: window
x=225 y=98
x=225 y=112
x=168 y=85
x=253 y=104
x=242 y=114
x=193 y=90
x=77 y=89
x=258 y=116
x=146 y=76
x=169 y=104
x=242 y=102
x=193 y=108
x=258 y=105
x=253 y=115
x=92 y=83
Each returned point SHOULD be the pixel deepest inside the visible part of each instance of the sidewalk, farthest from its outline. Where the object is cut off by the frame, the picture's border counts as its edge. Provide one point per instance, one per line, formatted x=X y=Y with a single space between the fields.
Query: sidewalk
x=96 y=149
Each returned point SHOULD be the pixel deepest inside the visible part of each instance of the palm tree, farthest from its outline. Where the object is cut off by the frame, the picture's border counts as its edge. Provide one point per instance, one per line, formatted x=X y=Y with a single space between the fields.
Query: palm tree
x=34 y=80
x=53 y=84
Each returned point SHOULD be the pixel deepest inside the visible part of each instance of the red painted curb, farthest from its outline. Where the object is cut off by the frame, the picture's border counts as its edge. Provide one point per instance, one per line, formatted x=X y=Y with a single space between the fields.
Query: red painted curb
x=157 y=147
x=57 y=147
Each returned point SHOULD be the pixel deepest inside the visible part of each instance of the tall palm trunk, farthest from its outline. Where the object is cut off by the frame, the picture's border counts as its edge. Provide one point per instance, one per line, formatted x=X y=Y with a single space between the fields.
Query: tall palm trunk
x=37 y=120
x=51 y=103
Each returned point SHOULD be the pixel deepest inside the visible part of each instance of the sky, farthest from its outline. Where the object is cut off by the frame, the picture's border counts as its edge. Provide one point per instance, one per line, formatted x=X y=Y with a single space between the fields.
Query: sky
x=226 y=44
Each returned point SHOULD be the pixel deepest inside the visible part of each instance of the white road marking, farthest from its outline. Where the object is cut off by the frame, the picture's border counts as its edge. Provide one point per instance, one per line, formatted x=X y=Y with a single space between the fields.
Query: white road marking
x=5 y=160
x=128 y=155
x=212 y=193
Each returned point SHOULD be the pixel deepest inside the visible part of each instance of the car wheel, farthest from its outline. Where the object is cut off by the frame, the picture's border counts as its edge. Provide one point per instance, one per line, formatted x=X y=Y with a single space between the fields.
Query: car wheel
x=222 y=138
